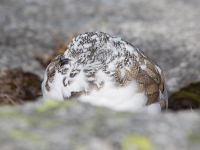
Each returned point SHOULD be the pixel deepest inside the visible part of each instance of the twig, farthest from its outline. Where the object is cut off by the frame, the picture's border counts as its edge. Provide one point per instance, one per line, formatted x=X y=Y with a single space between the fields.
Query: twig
x=8 y=97
x=191 y=108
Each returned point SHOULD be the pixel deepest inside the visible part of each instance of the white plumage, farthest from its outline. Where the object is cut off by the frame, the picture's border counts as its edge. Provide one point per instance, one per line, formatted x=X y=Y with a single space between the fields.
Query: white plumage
x=106 y=71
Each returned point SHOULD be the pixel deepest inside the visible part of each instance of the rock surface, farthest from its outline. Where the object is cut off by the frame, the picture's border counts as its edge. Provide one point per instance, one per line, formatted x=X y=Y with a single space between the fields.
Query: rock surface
x=76 y=126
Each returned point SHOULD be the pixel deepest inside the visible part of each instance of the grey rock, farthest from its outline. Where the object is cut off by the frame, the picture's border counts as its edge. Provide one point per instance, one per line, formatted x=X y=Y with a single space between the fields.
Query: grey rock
x=72 y=125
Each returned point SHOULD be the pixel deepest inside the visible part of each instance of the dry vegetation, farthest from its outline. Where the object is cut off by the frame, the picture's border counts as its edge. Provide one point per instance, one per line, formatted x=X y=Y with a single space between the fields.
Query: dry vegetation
x=18 y=87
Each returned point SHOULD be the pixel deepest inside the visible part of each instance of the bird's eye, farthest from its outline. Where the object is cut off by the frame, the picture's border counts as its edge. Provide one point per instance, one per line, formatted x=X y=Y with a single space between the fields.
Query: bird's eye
x=64 y=61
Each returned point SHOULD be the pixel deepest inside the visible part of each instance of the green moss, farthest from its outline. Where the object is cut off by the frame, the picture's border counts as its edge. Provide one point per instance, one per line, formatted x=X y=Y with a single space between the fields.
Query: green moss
x=194 y=138
x=102 y=21
x=190 y=92
x=186 y=95
x=7 y=112
x=50 y=104
x=81 y=146
x=98 y=111
x=19 y=116
x=136 y=141
x=23 y=135
x=193 y=88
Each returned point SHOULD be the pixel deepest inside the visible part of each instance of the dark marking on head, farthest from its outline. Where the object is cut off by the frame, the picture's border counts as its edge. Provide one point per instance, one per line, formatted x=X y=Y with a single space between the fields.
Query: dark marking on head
x=63 y=61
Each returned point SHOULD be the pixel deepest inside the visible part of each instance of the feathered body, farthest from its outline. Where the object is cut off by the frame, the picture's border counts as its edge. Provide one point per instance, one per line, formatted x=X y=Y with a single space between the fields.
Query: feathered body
x=107 y=71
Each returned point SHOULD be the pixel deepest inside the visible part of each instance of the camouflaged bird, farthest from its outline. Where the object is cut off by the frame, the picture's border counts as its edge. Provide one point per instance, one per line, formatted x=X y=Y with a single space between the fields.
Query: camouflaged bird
x=106 y=71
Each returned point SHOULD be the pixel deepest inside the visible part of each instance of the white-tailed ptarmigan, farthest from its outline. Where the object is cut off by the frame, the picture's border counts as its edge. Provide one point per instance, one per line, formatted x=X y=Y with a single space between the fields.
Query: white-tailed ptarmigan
x=106 y=71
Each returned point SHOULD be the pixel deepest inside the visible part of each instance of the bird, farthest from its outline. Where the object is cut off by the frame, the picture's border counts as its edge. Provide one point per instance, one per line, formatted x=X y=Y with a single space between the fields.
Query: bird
x=106 y=71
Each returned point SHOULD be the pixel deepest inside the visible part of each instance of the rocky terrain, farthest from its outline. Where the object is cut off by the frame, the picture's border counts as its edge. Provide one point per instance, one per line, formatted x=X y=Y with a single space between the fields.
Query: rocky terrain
x=167 y=31
x=76 y=126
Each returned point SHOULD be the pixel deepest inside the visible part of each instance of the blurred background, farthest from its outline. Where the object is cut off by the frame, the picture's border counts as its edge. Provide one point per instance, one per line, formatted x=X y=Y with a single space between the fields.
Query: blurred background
x=168 y=31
